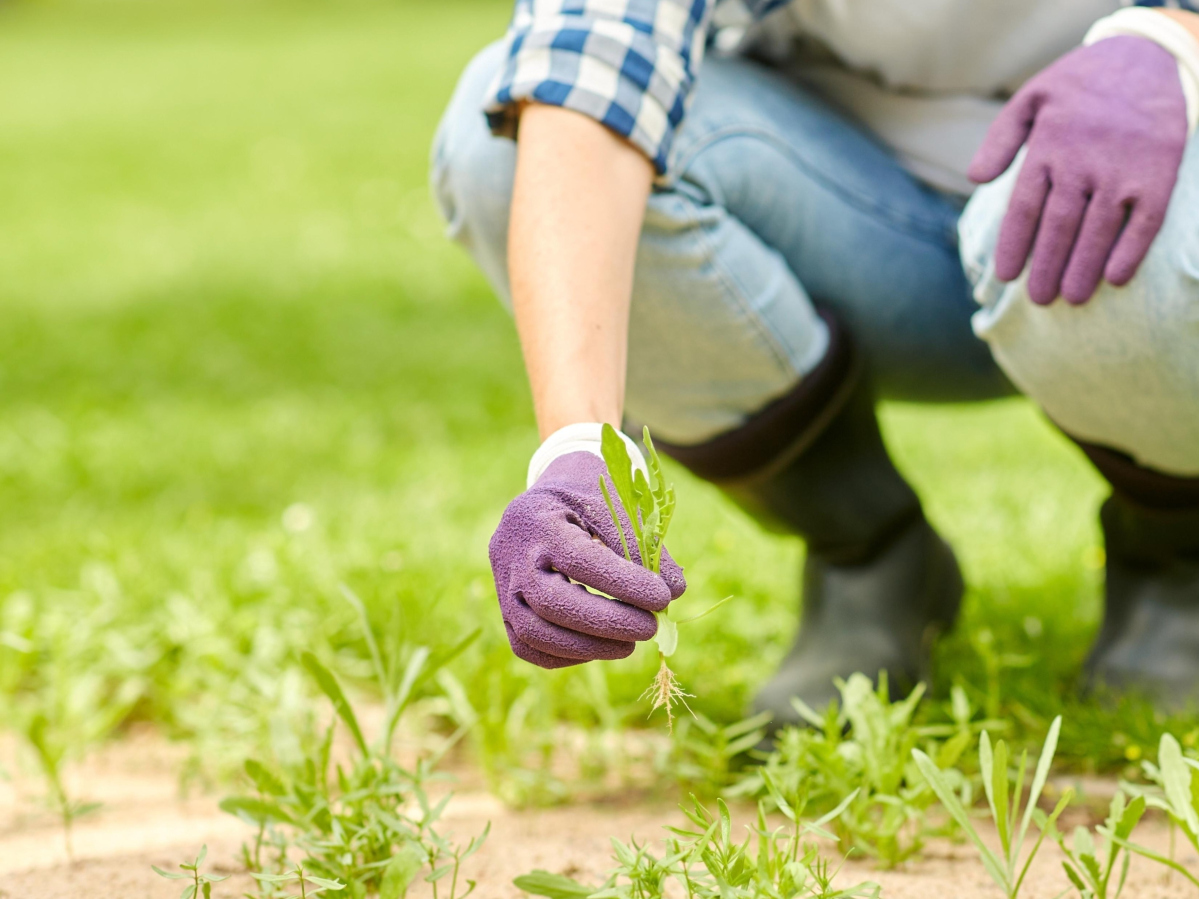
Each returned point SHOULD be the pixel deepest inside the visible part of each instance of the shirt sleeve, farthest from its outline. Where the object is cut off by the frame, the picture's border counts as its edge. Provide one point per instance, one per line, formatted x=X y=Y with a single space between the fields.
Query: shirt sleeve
x=1190 y=5
x=628 y=64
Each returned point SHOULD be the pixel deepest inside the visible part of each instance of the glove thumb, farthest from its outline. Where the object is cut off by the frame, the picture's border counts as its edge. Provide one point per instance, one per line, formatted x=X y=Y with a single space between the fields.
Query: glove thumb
x=1004 y=139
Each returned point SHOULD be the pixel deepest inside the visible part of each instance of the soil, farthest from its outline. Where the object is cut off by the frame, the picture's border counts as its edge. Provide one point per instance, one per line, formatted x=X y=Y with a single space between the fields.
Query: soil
x=145 y=821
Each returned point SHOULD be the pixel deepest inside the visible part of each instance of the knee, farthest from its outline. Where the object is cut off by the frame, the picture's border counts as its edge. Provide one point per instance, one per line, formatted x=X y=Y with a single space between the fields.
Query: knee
x=472 y=170
x=1120 y=370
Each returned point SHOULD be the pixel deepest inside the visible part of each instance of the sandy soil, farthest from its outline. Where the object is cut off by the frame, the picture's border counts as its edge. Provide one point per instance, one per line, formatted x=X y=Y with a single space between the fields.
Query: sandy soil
x=146 y=822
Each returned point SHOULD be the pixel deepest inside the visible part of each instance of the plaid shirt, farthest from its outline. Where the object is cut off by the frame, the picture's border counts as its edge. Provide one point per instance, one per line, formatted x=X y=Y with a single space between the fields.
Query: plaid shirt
x=628 y=64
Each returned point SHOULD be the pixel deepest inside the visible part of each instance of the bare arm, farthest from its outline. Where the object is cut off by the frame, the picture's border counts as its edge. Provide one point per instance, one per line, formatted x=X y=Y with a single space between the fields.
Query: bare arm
x=577 y=208
x=1189 y=19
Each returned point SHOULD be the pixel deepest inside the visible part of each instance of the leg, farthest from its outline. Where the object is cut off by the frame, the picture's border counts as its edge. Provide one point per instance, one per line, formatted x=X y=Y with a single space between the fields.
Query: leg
x=777 y=203
x=1121 y=375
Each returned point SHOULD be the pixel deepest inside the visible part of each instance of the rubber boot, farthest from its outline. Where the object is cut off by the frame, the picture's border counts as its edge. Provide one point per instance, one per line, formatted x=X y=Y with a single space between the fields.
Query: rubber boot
x=878 y=582
x=1149 y=642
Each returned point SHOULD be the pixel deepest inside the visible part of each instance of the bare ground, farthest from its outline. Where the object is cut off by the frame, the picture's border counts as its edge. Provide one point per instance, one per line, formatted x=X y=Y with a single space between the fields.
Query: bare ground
x=146 y=822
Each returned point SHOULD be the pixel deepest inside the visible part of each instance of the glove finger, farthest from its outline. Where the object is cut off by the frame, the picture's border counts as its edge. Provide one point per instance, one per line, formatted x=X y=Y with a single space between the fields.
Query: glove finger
x=1055 y=238
x=554 y=640
x=1004 y=139
x=1143 y=224
x=1100 y=228
x=572 y=606
x=529 y=654
x=591 y=562
x=672 y=573
x=1019 y=226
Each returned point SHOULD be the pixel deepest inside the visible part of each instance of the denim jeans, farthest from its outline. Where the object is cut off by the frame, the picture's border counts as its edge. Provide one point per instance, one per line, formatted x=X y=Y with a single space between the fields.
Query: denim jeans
x=775 y=203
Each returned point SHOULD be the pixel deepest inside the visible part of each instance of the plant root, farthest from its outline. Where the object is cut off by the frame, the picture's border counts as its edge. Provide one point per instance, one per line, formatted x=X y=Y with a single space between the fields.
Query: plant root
x=665 y=691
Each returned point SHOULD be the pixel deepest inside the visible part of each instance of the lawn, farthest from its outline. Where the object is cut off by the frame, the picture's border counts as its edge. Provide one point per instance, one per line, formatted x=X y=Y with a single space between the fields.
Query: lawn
x=240 y=366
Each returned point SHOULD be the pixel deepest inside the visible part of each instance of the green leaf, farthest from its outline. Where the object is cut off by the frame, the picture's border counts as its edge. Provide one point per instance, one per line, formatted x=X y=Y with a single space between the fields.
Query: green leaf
x=624 y=542
x=1176 y=779
x=936 y=780
x=263 y=779
x=1074 y=878
x=401 y=870
x=1000 y=805
x=170 y=875
x=1131 y=817
x=330 y=687
x=667 y=637
x=255 y=811
x=707 y=612
x=620 y=470
x=552 y=886
x=1042 y=775
x=325 y=883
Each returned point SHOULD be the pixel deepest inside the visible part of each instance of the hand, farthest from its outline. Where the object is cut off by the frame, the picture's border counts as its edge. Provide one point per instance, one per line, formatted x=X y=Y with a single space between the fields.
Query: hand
x=558 y=530
x=1106 y=127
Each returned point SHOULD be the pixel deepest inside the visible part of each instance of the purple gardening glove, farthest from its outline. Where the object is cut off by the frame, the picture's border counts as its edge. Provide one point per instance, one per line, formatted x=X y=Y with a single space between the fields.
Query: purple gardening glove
x=1106 y=127
x=559 y=529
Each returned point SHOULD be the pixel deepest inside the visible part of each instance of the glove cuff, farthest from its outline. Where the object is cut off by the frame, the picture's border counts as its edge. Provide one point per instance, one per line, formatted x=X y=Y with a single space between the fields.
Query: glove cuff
x=1139 y=21
x=583 y=437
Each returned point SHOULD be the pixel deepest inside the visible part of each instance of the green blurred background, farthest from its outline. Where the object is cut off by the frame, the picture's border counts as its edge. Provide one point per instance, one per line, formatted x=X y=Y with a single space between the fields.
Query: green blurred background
x=240 y=364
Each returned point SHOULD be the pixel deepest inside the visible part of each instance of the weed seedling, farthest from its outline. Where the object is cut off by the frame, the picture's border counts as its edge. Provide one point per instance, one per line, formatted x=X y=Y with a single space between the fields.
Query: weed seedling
x=863 y=747
x=201 y=884
x=367 y=824
x=1004 y=802
x=649 y=506
x=50 y=754
x=705 y=861
x=1174 y=774
x=1090 y=862
x=308 y=884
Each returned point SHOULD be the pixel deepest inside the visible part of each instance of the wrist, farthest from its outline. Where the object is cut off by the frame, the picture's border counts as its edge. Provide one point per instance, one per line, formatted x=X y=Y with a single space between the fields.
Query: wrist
x=581 y=437
x=1165 y=31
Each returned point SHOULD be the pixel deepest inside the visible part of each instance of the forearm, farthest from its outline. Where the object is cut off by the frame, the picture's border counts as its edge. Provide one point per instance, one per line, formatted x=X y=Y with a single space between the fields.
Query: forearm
x=1188 y=19
x=577 y=207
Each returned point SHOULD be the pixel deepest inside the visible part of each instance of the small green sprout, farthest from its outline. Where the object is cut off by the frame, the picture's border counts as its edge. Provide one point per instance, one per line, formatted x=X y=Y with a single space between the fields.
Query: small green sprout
x=1004 y=867
x=649 y=505
x=1090 y=862
x=50 y=756
x=309 y=884
x=201 y=884
x=1178 y=799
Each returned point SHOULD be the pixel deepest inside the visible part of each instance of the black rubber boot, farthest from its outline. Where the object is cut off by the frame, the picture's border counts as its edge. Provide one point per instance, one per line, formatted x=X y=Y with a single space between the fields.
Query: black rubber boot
x=878 y=582
x=1149 y=642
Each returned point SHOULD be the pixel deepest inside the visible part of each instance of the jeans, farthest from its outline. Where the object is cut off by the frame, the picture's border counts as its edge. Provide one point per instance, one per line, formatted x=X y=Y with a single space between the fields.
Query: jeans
x=776 y=203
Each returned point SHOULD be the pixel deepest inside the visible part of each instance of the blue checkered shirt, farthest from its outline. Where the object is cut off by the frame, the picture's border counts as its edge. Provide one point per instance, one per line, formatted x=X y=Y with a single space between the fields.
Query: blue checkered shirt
x=629 y=64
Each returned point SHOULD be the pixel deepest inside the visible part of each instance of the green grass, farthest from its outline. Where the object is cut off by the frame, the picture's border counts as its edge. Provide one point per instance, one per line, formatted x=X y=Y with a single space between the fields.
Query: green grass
x=225 y=292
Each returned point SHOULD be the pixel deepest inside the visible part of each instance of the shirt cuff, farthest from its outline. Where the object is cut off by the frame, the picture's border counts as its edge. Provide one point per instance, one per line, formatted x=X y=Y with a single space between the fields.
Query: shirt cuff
x=1138 y=21
x=608 y=71
x=584 y=437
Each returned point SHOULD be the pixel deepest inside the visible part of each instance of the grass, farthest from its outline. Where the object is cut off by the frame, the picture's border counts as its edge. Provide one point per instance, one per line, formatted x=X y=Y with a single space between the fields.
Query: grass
x=239 y=366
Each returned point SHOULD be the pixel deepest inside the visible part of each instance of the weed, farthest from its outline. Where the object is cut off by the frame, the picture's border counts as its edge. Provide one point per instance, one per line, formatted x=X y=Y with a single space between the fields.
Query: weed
x=309 y=884
x=201 y=884
x=371 y=825
x=1173 y=773
x=863 y=748
x=1004 y=868
x=704 y=753
x=705 y=861
x=1090 y=862
x=649 y=506
x=50 y=754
